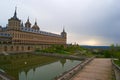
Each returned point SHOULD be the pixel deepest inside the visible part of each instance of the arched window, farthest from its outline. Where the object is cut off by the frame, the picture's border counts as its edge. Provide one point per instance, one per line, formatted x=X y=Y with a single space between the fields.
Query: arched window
x=28 y=47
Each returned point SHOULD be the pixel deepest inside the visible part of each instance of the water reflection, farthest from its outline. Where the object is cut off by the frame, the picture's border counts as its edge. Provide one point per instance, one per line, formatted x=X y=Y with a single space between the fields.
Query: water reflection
x=48 y=71
x=63 y=61
x=37 y=67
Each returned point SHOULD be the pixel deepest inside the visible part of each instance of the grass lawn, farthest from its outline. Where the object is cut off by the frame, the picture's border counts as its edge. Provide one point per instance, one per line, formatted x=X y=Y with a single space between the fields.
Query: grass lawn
x=117 y=62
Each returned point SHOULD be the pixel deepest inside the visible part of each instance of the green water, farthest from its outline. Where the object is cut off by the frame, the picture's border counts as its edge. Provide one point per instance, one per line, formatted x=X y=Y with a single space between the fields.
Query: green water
x=48 y=71
x=33 y=67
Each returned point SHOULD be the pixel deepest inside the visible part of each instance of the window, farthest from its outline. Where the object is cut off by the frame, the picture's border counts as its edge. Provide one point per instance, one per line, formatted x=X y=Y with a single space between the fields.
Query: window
x=11 y=48
x=17 y=48
x=28 y=47
x=5 y=48
x=22 y=48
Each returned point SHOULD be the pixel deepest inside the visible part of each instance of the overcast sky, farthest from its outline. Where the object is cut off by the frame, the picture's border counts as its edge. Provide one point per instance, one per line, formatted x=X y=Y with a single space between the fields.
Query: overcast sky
x=87 y=22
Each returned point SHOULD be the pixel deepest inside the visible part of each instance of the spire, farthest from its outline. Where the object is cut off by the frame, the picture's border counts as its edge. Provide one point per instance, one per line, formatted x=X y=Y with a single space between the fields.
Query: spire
x=35 y=26
x=28 y=19
x=22 y=24
x=28 y=24
x=63 y=29
x=35 y=21
x=63 y=33
x=15 y=16
x=15 y=13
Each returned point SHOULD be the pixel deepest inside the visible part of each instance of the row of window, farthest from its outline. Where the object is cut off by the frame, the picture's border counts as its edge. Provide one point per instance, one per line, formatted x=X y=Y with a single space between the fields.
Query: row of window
x=14 y=23
x=36 y=37
x=36 y=42
x=17 y=48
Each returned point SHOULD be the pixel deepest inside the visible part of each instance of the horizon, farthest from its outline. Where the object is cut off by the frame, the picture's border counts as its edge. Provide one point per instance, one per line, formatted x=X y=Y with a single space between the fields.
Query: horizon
x=94 y=23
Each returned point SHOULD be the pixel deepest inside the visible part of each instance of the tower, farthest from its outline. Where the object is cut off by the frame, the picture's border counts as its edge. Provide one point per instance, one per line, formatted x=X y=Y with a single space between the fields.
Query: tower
x=14 y=22
x=0 y=28
x=64 y=34
x=28 y=24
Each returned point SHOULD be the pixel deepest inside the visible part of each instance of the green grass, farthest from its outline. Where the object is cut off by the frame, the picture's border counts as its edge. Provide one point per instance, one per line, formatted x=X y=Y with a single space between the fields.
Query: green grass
x=68 y=50
x=117 y=62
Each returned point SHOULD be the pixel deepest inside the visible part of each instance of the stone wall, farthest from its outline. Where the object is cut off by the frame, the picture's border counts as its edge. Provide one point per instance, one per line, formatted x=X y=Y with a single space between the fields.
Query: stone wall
x=20 y=48
x=22 y=37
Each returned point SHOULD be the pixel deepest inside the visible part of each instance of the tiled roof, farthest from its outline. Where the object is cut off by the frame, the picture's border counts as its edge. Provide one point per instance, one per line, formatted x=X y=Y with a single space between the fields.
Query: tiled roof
x=39 y=32
x=5 y=35
x=25 y=29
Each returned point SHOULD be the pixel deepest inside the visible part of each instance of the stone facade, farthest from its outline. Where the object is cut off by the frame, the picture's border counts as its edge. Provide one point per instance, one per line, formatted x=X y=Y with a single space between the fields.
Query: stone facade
x=12 y=48
x=19 y=37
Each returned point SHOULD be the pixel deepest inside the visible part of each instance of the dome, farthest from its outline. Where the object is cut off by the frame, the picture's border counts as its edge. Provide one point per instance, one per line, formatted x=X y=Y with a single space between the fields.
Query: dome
x=28 y=24
x=35 y=26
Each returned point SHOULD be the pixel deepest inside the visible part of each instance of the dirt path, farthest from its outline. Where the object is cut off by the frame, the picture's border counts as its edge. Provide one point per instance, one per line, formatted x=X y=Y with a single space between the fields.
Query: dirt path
x=98 y=69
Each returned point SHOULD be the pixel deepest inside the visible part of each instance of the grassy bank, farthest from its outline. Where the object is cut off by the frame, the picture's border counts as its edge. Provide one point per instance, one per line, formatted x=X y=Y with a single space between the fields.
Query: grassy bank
x=117 y=62
x=68 y=50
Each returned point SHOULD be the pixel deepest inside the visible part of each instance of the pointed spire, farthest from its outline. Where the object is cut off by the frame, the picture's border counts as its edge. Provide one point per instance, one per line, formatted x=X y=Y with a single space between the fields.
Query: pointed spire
x=63 y=33
x=63 y=29
x=28 y=19
x=15 y=13
x=35 y=21
x=35 y=26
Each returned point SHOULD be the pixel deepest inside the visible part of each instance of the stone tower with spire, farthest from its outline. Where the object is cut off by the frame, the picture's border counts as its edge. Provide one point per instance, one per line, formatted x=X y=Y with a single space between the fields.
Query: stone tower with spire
x=14 y=22
x=63 y=33
x=64 y=36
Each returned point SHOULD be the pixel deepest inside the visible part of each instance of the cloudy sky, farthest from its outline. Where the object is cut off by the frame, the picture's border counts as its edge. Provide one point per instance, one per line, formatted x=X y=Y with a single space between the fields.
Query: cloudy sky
x=87 y=22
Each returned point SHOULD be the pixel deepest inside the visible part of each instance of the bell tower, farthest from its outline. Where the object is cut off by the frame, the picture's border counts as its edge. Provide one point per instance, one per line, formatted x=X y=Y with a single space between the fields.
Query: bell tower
x=14 y=22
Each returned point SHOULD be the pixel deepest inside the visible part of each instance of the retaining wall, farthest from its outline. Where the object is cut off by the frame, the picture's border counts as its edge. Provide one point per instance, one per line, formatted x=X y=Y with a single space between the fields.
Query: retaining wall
x=69 y=74
x=4 y=76
x=62 y=56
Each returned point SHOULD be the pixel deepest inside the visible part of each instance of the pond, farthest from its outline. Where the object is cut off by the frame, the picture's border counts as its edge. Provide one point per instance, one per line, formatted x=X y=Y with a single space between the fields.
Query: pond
x=42 y=71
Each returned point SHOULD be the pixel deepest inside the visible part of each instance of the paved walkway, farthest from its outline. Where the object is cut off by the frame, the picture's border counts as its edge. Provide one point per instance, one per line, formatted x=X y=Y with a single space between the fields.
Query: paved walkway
x=98 y=69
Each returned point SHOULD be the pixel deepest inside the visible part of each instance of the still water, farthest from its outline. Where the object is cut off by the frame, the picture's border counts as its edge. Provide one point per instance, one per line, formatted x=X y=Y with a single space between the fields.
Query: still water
x=48 y=71
x=35 y=67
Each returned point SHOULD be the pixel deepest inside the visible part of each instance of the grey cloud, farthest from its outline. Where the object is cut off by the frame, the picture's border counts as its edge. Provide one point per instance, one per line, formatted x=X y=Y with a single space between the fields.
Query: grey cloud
x=88 y=18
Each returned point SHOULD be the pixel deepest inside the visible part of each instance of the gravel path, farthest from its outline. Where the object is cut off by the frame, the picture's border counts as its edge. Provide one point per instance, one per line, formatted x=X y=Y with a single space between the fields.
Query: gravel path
x=98 y=69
